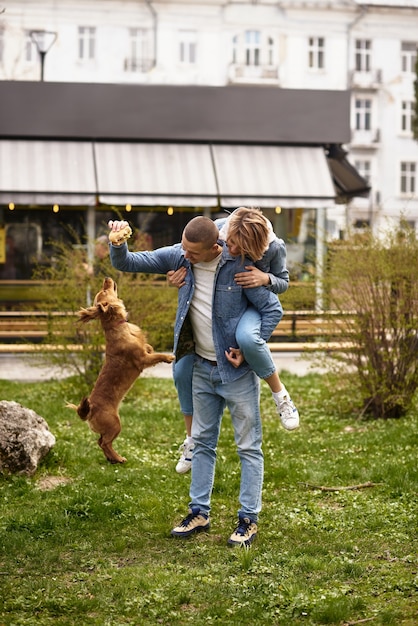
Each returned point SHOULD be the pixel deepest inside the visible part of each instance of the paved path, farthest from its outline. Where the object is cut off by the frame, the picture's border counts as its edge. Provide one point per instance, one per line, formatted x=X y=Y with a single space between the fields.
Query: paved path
x=26 y=368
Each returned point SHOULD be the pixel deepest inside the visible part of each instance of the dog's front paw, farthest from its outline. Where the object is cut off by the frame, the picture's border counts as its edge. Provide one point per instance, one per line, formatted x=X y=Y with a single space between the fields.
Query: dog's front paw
x=118 y=237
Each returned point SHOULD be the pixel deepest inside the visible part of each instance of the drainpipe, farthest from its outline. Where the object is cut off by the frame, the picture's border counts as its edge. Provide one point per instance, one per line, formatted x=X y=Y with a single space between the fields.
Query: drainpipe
x=155 y=22
x=350 y=26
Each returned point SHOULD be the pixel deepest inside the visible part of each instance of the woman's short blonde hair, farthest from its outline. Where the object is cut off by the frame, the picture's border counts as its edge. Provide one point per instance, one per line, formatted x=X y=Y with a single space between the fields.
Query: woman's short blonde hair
x=250 y=232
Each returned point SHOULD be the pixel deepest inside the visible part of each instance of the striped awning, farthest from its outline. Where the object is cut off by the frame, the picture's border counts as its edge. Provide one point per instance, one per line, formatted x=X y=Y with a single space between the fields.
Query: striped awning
x=83 y=173
x=268 y=176
x=47 y=172
x=155 y=174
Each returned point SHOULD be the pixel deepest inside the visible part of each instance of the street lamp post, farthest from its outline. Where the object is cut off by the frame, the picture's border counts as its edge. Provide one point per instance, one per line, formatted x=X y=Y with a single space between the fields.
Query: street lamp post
x=43 y=40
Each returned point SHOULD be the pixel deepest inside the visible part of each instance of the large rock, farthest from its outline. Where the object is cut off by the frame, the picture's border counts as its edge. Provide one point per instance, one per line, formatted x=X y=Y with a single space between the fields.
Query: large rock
x=25 y=439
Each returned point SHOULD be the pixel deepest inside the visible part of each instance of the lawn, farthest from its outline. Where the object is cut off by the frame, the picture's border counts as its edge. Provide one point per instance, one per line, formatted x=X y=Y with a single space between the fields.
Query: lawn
x=88 y=543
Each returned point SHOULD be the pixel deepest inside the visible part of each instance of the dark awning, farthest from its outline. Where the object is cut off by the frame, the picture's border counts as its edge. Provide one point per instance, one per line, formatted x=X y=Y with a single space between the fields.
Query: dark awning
x=347 y=180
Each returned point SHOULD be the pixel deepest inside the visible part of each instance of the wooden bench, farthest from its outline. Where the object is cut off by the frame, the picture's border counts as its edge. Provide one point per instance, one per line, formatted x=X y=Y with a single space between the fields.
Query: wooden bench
x=29 y=325
x=298 y=331
x=309 y=330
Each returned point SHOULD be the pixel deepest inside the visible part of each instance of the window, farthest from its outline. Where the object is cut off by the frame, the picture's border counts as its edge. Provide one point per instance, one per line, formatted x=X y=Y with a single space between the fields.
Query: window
x=408 y=56
x=408 y=177
x=86 y=43
x=252 y=47
x=270 y=51
x=30 y=49
x=188 y=46
x=364 y=169
x=407 y=225
x=138 y=56
x=362 y=223
x=254 y=51
x=407 y=116
x=363 y=111
x=235 y=47
x=1 y=44
x=363 y=55
x=316 y=53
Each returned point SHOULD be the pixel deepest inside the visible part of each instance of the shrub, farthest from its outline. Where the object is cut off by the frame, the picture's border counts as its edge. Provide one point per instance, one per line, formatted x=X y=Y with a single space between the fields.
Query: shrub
x=377 y=279
x=70 y=285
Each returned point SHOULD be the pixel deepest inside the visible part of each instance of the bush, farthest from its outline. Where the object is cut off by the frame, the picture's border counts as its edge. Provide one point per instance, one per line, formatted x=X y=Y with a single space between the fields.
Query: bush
x=378 y=281
x=71 y=285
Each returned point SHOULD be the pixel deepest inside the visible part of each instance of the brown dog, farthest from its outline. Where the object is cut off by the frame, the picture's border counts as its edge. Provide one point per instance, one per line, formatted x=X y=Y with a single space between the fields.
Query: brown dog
x=127 y=355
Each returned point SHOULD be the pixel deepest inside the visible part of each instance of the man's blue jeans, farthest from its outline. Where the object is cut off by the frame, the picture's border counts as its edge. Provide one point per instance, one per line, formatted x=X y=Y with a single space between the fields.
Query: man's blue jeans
x=242 y=397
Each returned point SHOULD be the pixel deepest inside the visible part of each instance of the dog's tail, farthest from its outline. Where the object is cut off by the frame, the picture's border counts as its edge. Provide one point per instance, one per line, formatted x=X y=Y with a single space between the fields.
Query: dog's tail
x=83 y=409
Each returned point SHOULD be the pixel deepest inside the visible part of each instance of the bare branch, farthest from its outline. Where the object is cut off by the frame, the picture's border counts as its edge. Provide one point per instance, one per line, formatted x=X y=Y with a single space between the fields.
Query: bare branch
x=346 y=488
x=359 y=621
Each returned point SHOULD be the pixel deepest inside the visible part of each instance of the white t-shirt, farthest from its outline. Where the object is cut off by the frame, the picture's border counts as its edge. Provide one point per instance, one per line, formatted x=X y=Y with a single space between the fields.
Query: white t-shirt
x=201 y=307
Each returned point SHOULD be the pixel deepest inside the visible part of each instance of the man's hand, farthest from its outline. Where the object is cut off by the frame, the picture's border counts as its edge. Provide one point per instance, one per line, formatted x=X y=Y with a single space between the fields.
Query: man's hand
x=234 y=356
x=120 y=231
x=252 y=278
x=175 y=278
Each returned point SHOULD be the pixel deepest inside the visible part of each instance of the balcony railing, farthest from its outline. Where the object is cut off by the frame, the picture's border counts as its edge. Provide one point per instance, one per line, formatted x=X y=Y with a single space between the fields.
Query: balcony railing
x=365 y=138
x=366 y=80
x=140 y=66
x=261 y=74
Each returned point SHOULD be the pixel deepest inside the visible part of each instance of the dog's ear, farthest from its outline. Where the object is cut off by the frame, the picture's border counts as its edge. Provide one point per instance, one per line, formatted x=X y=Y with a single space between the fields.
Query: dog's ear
x=86 y=315
x=104 y=306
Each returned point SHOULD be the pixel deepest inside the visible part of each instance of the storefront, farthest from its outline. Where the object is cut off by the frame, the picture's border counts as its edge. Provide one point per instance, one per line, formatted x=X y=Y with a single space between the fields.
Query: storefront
x=73 y=156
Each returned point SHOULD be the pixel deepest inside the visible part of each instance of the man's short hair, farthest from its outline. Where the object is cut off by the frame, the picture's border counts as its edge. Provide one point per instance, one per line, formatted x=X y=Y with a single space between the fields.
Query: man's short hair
x=201 y=230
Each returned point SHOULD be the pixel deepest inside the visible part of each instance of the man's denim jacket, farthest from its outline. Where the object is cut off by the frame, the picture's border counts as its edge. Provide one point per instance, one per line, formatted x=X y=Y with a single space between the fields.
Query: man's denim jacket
x=229 y=299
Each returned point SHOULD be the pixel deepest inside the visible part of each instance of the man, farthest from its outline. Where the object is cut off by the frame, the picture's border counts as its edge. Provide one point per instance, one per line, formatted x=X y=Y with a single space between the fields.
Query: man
x=210 y=305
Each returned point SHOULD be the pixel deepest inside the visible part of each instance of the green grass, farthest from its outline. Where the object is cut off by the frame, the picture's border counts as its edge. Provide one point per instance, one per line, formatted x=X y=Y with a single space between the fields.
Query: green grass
x=96 y=550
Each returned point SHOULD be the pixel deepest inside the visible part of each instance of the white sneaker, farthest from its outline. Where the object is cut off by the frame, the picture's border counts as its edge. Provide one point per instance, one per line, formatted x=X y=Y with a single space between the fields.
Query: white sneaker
x=288 y=413
x=185 y=461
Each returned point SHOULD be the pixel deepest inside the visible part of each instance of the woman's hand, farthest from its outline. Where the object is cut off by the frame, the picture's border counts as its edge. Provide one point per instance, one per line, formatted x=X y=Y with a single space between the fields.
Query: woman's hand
x=175 y=278
x=234 y=356
x=252 y=278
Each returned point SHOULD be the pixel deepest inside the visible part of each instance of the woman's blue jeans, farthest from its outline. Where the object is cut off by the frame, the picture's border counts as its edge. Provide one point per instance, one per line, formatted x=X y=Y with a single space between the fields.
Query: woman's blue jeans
x=242 y=397
x=254 y=348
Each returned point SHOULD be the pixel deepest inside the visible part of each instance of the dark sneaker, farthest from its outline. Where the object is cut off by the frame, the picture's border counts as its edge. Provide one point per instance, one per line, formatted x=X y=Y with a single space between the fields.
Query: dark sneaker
x=195 y=522
x=245 y=532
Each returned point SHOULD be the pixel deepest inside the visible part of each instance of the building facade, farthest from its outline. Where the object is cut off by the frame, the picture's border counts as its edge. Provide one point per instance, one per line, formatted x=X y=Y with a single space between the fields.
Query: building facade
x=368 y=48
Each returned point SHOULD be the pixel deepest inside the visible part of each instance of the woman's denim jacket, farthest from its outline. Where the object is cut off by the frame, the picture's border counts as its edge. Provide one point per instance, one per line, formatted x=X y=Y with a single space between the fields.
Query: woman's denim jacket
x=272 y=263
x=229 y=299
